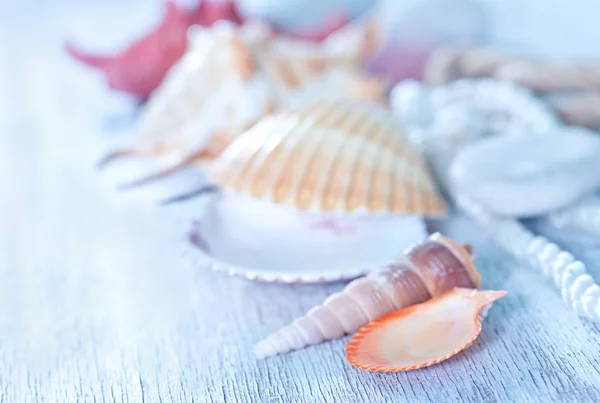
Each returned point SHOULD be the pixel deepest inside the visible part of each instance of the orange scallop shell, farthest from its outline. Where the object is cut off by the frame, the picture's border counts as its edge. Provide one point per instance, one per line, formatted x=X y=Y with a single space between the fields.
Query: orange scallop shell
x=423 y=334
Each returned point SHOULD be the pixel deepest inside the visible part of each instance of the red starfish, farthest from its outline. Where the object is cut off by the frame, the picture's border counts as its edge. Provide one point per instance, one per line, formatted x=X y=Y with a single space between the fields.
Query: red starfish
x=140 y=68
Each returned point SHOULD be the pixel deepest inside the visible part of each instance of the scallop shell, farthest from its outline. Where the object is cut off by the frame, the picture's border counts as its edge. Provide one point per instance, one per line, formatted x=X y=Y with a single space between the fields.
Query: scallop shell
x=337 y=156
x=426 y=270
x=423 y=334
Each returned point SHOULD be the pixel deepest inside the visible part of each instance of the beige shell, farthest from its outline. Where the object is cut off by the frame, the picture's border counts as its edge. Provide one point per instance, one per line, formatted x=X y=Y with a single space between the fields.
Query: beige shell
x=214 y=79
x=336 y=156
x=426 y=270
x=339 y=83
x=292 y=64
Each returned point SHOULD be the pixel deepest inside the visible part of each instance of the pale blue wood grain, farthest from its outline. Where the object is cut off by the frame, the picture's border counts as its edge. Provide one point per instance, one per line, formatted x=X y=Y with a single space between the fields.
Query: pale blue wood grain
x=100 y=302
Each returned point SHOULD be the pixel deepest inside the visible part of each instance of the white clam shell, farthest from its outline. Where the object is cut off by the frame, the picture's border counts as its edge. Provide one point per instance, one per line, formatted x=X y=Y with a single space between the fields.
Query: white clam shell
x=261 y=241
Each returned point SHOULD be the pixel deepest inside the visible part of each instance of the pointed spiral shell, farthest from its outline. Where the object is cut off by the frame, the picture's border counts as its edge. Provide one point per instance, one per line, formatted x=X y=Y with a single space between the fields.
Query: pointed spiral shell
x=424 y=271
x=577 y=287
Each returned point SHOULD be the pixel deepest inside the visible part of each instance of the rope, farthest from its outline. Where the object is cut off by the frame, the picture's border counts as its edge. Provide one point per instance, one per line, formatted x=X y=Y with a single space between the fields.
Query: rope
x=570 y=276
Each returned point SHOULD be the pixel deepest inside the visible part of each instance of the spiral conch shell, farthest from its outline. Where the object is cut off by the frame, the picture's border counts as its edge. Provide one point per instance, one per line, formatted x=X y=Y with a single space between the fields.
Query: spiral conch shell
x=426 y=270
x=212 y=88
x=421 y=335
x=334 y=156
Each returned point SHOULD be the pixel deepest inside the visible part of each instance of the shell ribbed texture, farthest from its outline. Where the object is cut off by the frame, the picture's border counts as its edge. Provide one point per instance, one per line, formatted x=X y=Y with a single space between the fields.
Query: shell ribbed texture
x=334 y=156
x=360 y=302
x=385 y=290
x=569 y=275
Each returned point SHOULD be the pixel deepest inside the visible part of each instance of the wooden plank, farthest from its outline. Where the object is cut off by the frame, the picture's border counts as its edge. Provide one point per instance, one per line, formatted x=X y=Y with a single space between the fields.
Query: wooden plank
x=99 y=301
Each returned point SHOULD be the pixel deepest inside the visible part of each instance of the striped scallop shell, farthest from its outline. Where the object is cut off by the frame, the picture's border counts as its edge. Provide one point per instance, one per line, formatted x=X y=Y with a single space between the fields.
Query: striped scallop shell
x=335 y=156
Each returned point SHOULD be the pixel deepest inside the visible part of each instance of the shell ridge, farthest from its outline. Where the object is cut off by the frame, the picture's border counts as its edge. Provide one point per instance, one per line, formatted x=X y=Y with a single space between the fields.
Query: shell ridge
x=355 y=122
x=354 y=165
x=356 y=195
x=415 y=269
x=297 y=151
x=460 y=254
x=363 y=359
x=336 y=144
x=271 y=157
x=254 y=181
x=388 y=287
x=308 y=171
x=331 y=304
x=240 y=153
x=380 y=192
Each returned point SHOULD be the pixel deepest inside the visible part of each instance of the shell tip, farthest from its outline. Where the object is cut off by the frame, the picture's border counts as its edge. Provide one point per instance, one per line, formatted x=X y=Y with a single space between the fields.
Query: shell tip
x=262 y=350
x=486 y=297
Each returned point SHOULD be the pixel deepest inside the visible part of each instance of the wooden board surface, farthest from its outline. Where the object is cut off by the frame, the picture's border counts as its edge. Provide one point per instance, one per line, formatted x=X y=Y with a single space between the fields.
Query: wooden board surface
x=100 y=301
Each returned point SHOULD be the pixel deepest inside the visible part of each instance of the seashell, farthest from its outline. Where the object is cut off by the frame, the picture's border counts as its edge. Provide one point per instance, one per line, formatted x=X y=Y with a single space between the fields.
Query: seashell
x=212 y=88
x=230 y=77
x=335 y=156
x=548 y=170
x=423 y=334
x=570 y=276
x=340 y=83
x=426 y=270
